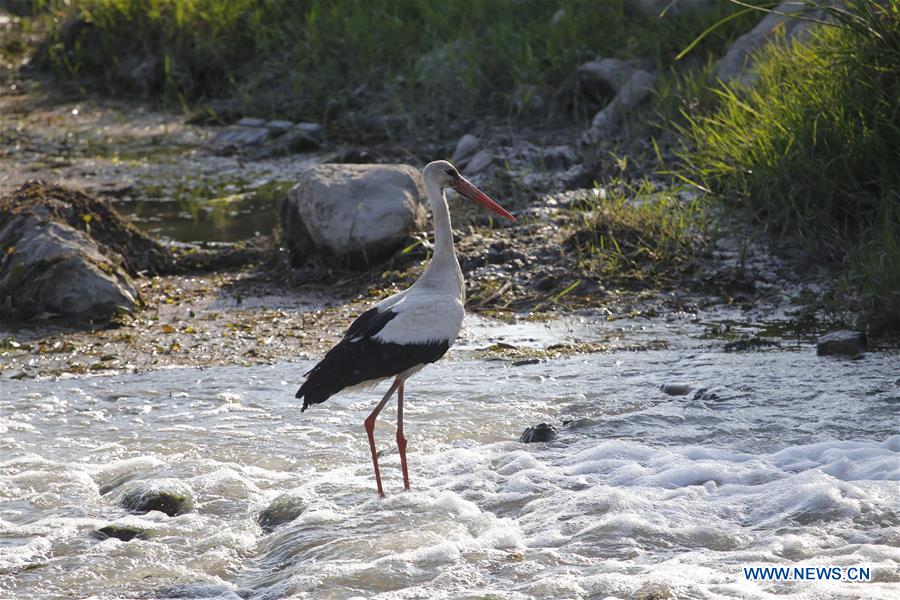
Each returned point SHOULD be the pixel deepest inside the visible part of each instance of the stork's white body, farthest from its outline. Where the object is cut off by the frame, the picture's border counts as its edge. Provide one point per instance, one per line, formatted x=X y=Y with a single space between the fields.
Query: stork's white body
x=404 y=332
x=432 y=309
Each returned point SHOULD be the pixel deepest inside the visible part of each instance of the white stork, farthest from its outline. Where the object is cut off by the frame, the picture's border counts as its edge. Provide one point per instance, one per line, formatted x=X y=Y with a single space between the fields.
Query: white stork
x=401 y=334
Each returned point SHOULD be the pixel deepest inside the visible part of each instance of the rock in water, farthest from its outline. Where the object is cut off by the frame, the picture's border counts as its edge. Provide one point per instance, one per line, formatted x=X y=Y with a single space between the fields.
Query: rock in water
x=66 y=253
x=676 y=389
x=352 y=215
x=143 y=501
x=283 y=509
x=842 y=343
x=544 y=432
x=120 y=532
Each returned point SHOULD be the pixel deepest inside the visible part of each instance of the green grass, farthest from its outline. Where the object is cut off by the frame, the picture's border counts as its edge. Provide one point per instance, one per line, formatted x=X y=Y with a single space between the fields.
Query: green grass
x=812 y=148
x=638 y=233
x=423 y=61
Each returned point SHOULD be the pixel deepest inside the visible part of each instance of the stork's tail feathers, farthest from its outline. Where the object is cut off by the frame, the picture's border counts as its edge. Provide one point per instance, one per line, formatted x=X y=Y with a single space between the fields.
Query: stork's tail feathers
x=318 y=387
x=311 y=393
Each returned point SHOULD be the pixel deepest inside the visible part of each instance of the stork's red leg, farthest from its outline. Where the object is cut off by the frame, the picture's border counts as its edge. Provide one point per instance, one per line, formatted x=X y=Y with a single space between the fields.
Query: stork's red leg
x=401 y=441
x=370 y=429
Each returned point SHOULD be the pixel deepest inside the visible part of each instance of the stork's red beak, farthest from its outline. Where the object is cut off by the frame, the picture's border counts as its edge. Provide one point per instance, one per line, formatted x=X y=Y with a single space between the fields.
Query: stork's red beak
x=474 y=194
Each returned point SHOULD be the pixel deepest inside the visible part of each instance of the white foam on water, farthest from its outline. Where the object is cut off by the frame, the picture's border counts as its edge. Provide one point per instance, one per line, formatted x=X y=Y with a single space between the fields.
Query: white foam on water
x=650 y=495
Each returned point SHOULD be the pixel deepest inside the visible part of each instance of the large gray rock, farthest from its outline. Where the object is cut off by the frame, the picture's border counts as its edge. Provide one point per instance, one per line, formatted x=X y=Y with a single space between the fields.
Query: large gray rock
x=737 y=63
x=54 y=268
x=352 y=215
x=66 y=253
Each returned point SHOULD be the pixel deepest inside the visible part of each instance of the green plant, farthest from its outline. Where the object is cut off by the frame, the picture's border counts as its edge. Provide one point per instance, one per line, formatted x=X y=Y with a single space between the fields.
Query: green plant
x=424 y=61
x=812 y=147
x=638 y=232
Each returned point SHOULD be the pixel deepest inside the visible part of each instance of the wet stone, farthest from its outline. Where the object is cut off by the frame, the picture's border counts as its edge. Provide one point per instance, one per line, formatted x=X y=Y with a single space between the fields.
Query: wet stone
x=842 y=343
x=194 y=591
x=170 y=503
x=283 y=509
x=580 y=423
x=526 y=362
x=120 y=532
x=705 y=394
x=544 y=432
x=119 y=481
x=749 y=344
x=676 y=389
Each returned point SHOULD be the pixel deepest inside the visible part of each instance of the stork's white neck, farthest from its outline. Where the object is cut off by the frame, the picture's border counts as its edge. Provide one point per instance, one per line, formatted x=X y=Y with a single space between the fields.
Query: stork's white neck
x=443 y=271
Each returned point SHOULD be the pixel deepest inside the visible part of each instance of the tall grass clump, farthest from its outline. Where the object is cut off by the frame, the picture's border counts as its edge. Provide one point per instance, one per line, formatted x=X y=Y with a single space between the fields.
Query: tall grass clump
x=639 y=233
x=813 y=146
x=432 y=60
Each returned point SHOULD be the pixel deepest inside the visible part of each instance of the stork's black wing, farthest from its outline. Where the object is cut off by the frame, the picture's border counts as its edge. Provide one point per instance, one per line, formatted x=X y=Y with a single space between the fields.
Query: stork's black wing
x=358 y=358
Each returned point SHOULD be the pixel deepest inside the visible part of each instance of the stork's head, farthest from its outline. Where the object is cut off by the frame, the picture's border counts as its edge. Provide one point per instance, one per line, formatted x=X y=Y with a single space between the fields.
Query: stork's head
x=444 y=175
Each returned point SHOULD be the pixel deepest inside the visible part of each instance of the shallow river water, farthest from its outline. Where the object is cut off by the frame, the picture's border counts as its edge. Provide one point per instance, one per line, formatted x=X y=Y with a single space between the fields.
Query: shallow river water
x=787 y=460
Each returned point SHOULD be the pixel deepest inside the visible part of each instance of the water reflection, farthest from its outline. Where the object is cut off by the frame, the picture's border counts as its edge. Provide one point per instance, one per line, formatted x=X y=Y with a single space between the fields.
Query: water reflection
x=199 y=215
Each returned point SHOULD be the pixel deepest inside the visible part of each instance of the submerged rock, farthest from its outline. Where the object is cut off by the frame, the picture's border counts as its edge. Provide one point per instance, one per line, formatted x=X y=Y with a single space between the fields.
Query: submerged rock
x=352 y=215
x=544 y=432
x=195 y=591
x=842 y=343
x=66 y=253
x=283 y=509
x=120 y=532
x=169 y=502
x=676 y=389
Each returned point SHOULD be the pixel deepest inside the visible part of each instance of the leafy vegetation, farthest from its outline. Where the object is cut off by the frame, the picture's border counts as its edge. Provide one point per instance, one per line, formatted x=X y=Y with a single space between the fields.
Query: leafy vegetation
x=323 y=59
x=641 y=233
x=813 y=146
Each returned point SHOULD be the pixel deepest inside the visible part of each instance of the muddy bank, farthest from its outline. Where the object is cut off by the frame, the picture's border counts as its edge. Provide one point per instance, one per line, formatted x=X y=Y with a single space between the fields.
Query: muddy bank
x=251 y=307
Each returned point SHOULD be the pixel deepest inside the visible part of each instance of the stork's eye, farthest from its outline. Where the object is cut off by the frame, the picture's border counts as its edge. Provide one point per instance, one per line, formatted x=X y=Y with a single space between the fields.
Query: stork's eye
x=452 y=173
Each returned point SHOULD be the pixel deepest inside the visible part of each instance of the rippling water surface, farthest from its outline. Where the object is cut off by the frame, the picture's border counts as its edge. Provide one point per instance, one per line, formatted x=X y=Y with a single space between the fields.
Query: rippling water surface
x=787 y=459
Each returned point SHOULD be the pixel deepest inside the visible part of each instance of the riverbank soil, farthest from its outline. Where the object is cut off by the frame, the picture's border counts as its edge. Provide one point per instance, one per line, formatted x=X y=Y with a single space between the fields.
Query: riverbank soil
x=254 y=308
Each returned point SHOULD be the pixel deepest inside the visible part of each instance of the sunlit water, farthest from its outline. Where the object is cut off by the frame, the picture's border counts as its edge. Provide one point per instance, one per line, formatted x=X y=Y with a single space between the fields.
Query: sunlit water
x=795 y=461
